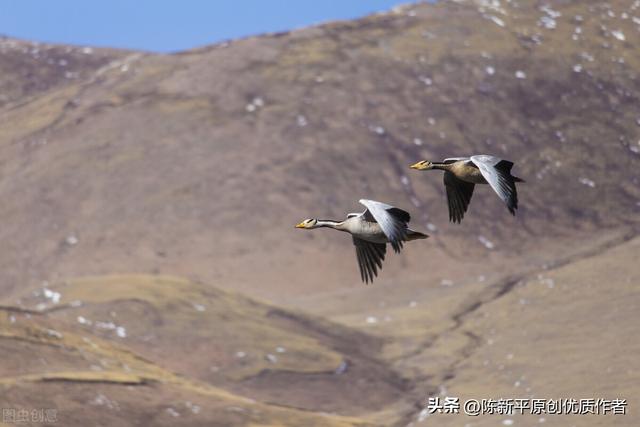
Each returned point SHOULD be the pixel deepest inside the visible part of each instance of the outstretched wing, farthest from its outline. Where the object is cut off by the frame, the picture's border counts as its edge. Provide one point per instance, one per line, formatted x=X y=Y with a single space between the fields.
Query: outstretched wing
x=393 y=221
x=370 y=256
x=497 y=172
x=458 y=196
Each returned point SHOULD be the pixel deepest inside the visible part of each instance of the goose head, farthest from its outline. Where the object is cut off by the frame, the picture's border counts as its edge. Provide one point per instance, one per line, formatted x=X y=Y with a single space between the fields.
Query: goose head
x=308 y=224
x=422 y=165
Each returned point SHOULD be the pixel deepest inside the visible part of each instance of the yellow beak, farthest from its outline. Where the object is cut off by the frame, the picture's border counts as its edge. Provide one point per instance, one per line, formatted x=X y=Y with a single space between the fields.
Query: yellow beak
x=301 y=225
x=421 y=165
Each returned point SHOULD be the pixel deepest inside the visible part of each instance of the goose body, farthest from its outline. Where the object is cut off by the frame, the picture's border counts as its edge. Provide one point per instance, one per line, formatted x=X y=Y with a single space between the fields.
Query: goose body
x=461 y=174
x=371 y=230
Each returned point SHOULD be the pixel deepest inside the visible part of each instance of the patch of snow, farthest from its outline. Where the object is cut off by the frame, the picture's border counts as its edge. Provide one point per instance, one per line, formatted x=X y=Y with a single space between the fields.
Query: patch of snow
x=173 y=412
x=577 y=68
x=507 y=422
x=426 y=80
x=102 y=400
x=52 y=295
x=371 y=320
x=83 y=320
x=271 y=358
x=587 y=56
x=199 y=307
x=256 y=103
x=71 y=240
x=280 y=349
x=618 y=34
x=587 y=182
x=521 y=74
x=241 y=354
x=413 y=304
x=499 y=22
x=550 y=12
x=53 y=333
x=547 y=22
x=486 y=242
x=417 y=141
x=377 y=130
x=121 y=331
x=301 y=120
x=490 y=70
x=87 y=50
x=106 y=325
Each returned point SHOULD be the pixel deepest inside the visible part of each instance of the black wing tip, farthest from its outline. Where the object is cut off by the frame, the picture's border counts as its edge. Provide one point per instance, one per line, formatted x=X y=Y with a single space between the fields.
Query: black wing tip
x=400 y=214
x=397 y=246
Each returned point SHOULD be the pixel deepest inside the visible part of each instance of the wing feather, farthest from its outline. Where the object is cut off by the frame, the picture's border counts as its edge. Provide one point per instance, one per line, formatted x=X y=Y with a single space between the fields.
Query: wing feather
x=370 y=256
x=458 y=196
x=497 y=172
x=393 y=221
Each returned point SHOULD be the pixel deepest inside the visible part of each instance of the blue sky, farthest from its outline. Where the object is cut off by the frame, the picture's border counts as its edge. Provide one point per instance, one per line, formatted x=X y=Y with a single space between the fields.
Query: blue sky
x=168 y=25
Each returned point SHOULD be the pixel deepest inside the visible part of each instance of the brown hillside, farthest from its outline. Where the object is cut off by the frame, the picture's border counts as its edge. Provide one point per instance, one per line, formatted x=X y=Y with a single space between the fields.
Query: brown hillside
x=139 y=168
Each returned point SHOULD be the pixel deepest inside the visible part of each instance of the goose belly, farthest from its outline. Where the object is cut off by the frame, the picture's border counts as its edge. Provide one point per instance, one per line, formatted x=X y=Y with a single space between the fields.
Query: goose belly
x=468 y=173
x=370 y=231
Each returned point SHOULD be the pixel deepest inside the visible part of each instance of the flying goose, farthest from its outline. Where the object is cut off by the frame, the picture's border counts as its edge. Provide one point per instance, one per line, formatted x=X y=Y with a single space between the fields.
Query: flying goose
x=462 y=173
x=371 y=230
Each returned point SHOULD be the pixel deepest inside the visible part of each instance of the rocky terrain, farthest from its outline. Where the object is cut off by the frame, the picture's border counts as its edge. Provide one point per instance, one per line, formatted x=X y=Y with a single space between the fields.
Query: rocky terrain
x=151 y=274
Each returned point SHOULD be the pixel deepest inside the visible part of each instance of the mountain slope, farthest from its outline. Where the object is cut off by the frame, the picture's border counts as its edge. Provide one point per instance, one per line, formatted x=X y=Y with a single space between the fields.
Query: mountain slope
x=100 y=339
x=144 y=167
x=175 y=163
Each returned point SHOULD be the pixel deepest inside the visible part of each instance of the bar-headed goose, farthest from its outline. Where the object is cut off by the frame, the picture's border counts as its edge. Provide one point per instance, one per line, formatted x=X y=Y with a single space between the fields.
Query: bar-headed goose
x=462 y=173
x=371 y=230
